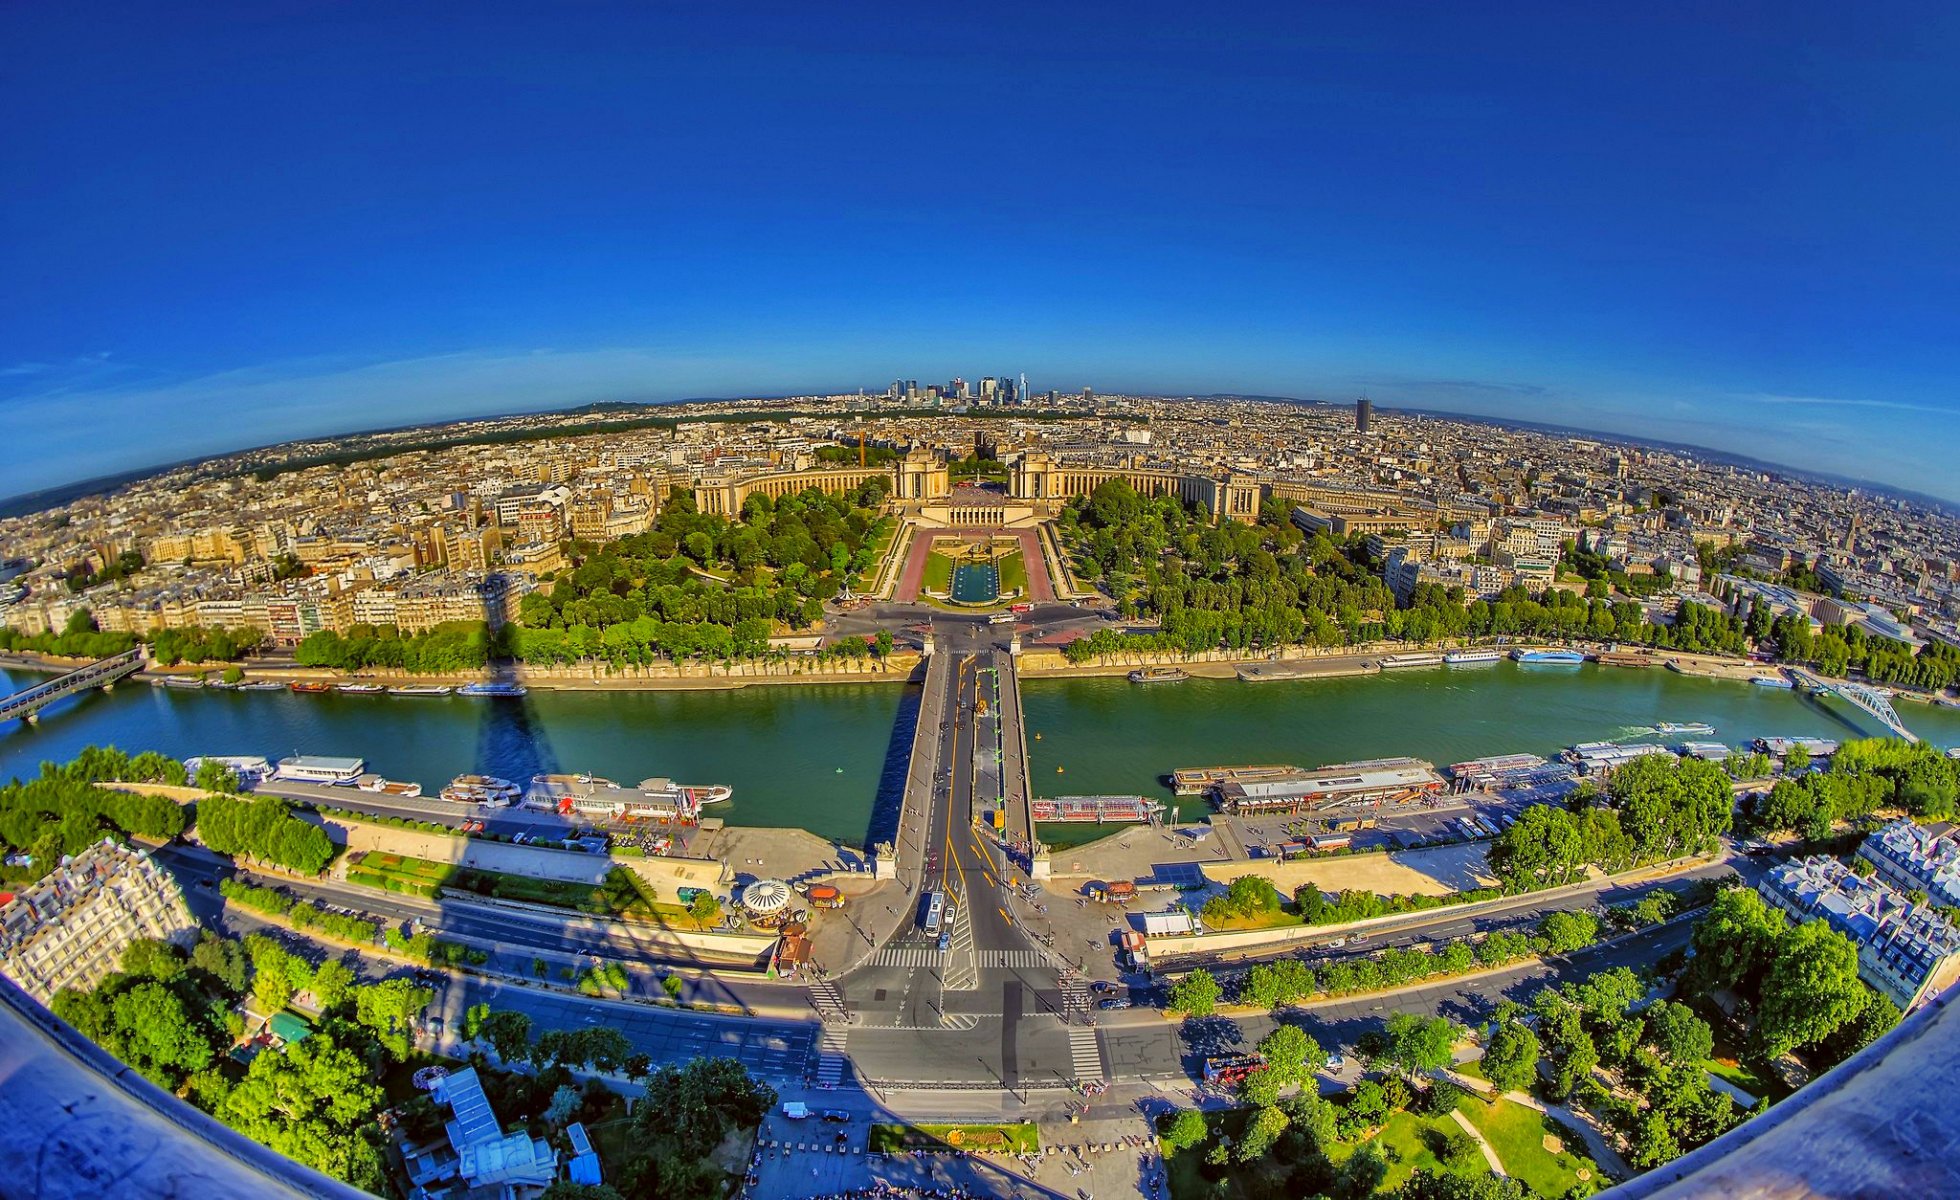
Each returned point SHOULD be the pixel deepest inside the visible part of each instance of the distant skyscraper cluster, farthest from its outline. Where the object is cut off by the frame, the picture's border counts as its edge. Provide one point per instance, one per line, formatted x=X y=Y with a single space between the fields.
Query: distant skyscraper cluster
x=991 y=390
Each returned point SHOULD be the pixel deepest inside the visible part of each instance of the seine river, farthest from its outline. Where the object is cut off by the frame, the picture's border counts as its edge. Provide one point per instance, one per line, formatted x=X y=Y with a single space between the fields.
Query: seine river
x=825 y=757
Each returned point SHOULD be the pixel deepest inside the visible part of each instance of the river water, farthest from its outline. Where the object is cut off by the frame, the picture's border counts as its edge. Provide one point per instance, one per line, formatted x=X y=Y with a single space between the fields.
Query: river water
x=827 y=757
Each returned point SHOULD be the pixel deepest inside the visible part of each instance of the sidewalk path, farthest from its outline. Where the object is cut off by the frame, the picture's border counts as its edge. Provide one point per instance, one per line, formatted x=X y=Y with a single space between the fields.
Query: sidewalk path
x=1601 y=1150
x=1477 y=1135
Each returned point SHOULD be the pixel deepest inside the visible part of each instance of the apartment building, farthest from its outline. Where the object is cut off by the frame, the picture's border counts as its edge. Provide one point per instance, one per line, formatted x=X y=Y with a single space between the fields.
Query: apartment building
x=1906 y=951
x=1914 y=858
x=70 y=929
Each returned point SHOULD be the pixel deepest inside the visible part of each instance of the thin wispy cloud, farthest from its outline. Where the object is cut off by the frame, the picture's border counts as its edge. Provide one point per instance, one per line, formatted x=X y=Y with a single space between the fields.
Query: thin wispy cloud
x=1843 y=402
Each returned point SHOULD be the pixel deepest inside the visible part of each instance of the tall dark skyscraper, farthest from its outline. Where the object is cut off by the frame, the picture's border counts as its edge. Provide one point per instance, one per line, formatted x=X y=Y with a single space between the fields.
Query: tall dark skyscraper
x=1362 y=411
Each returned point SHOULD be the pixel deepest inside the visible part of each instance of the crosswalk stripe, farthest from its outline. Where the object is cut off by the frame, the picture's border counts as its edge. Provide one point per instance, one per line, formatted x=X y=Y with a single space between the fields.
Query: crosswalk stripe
x=832 y=1059
x=1085 y=1052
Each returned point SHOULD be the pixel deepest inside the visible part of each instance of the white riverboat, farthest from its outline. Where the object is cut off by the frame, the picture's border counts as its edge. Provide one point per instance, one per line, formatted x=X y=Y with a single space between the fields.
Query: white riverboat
x=315 y=768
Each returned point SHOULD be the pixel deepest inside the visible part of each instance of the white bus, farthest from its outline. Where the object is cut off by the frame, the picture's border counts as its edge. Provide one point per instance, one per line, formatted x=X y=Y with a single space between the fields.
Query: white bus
x=935 y=911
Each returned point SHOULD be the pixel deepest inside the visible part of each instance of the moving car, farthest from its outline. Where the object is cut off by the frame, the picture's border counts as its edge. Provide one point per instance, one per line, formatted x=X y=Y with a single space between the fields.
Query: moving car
x=1113 y=1003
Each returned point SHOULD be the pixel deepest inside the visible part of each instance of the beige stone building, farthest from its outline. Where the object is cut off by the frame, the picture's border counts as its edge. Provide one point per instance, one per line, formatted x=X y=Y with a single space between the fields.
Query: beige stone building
x=70 y=929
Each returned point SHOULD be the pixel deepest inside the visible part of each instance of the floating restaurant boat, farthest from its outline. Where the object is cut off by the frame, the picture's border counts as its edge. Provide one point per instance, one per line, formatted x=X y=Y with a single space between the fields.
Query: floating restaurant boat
x=1158 y=675
x=362 y=689
x=249 y=768
x=1463 y=658
x=492 y=689
x=310 y=688
x=1772 y=681
x=259 y=685
x=309 y=768
x=1548 y=657
x=1778 y=747
x=481 y=789
x=1394 y=661
x=389 y=787
x=421 y=689
x=181 y=681
x=660 y=800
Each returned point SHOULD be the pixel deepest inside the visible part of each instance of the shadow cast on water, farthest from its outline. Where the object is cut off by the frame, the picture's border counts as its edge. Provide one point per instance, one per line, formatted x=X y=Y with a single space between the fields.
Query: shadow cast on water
x=885 y=809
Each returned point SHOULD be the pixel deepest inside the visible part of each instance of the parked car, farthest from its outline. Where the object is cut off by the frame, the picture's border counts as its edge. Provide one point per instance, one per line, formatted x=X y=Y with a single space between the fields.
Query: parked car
x=836 y=1116
x=1113 y=1003
x=1335 y=1062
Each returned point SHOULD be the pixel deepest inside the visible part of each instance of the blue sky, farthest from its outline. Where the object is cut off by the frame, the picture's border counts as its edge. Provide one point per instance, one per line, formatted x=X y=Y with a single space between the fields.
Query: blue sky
x=227 y=225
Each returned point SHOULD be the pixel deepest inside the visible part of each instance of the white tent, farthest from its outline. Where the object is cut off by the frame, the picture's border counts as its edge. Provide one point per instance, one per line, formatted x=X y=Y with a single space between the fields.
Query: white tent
x=766 y=896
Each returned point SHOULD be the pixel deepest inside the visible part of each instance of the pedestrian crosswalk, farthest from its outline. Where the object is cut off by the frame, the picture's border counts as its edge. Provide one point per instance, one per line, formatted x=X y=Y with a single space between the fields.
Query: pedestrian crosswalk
x=1085 y=1053
x=832 y=1057
x=828 y=1001
x=906 y=956
x=1075 y=999
x=1013 y=958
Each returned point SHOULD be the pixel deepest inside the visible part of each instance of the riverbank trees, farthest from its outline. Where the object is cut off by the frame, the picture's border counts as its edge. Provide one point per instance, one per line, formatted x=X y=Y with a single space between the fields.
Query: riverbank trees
x=1654 y=809
x=263 y=829
x=62 y=811
x=452 y=647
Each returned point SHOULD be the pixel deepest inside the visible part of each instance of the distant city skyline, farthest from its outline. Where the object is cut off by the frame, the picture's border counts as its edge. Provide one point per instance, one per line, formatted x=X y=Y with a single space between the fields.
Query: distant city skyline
x=226 y=232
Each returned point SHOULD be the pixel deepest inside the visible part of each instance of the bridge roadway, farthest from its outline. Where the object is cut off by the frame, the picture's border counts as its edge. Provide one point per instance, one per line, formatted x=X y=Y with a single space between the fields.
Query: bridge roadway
x=27 y=703
x=987 y=1012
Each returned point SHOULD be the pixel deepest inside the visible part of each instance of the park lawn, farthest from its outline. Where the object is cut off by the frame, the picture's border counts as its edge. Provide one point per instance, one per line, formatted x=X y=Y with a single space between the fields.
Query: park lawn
x=625 y=900
x=398 y=873
x=1517 y=1133
x=1744 y=1078
x=1404 y=1143
x=939 y=572
x=1013 y=575
x=1474 y=1068
x=1277 y=918
x=1020 y=1138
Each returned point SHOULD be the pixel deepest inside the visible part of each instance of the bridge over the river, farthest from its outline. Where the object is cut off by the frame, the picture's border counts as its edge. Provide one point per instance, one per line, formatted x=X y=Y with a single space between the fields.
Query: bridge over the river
x=27 y=703
x=1870 y=701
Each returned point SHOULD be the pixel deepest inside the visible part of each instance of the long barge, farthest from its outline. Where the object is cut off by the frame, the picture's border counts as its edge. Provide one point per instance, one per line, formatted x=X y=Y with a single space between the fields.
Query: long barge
x=1100 y=810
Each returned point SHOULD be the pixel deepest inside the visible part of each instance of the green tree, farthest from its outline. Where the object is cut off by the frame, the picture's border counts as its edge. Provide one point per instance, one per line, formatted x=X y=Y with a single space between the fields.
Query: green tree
x=1511 y=1059
x=509 y=1033
x=1183 y=1131
x=565 y=1189
x=1565 y=931
x=1195 y=995
x=1261 y=1133
x=693 y=1106
x=1810 y=989
x=1735 y=939
x=389 y=1008
x=569 y=1191
x=1291 y=1054
x=1425 y=1184
x=1681 y=1037
x=332 y=981
x=1415 y=1044
x=312 y=1102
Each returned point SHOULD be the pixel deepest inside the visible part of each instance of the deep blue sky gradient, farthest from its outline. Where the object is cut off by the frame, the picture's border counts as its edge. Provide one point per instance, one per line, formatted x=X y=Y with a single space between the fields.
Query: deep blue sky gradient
x=223 y=225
